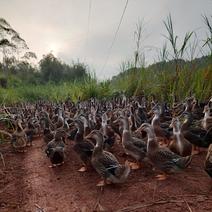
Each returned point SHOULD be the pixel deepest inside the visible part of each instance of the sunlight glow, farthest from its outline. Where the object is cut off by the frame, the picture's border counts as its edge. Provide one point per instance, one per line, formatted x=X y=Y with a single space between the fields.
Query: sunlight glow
x=54 y=48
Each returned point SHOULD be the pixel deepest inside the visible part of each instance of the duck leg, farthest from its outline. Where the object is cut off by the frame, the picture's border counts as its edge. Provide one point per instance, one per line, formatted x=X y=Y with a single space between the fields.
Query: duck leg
x=161 y=177
x=21 y=150
x=60 y=164
x=195 y=150
x=83 y=168
x=53 y=166
x=101 y=183
x=134 y=166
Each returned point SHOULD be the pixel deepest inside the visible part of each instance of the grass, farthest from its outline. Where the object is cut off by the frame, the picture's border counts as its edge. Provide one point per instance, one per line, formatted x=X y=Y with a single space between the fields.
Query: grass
x=163 y=85
x=133 y=83
x=31 y=93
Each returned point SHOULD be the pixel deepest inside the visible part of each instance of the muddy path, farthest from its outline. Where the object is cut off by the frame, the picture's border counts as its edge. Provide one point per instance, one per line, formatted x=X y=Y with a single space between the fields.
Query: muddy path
x=28 y=184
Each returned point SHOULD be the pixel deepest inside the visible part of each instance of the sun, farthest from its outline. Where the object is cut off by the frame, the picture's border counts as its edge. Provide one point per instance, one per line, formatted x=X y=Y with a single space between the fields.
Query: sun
x=54 y=48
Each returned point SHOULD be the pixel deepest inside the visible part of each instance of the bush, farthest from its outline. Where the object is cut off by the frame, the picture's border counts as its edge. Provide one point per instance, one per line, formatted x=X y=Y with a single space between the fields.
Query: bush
x=3 y=82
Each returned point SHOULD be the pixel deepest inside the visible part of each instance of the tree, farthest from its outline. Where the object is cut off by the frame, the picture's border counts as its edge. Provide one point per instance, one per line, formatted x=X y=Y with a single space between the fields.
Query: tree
x=12 y=45
x=51 y=68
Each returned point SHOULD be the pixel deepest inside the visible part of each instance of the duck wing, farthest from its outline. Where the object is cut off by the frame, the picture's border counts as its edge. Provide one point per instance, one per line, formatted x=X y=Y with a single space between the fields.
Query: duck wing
x=105 y=164
x=208 y=162
x=169 y=161
x=83 y=147
x=139 y=143
x=136 y=149
x=57 y=155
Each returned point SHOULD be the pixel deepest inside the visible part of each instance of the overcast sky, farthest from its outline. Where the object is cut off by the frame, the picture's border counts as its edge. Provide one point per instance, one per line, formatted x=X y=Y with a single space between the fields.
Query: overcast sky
x=63 y=27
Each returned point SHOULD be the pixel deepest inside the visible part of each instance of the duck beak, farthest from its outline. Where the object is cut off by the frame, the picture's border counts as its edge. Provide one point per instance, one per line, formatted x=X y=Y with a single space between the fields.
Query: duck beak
x=72 y=125
x=19 y=125
x=89 y=136
x=116 y=121
x=141 y=128
x=127 y=163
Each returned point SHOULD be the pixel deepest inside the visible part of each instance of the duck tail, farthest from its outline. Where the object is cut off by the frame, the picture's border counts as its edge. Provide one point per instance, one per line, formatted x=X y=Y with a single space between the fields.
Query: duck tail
x=57 y=157
x=208 y=137
x=184 y=162
x=121 y=174
x=125 y=174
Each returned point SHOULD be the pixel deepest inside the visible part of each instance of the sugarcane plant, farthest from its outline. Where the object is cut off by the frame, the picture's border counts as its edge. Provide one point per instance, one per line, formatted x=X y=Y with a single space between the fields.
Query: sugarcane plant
x=177 y=50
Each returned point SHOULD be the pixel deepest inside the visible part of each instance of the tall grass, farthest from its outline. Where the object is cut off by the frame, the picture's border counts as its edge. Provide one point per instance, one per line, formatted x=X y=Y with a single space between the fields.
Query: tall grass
x=31 y=93
x=135 y=82
x=163 y=80
x=160 y=83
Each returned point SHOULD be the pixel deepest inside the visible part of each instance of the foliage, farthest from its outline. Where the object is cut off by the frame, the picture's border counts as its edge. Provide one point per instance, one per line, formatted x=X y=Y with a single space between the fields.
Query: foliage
x=208 y=40
x=54 y=80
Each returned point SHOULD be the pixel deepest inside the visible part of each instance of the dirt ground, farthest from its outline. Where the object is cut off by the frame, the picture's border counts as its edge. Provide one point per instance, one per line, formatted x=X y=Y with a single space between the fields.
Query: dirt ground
x=28 y=184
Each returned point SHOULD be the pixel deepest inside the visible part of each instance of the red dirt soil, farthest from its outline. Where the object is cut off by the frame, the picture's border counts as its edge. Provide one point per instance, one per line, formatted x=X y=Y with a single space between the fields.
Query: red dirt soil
x=28 y=184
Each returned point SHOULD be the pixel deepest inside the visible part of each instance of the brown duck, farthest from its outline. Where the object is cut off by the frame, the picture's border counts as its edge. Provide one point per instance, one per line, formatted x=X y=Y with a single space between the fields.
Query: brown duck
x=208 y=161
x=132 y=146
x=162 y=157
x=179 y=144
x=106 y=164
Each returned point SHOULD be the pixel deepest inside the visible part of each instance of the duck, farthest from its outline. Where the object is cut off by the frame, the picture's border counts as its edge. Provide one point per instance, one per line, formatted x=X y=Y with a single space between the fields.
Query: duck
x=132 y=146
x=132 y=119
x=48 y=135
x=19 y=137
x=59 y=124
x=207 y=120
x=31 y=129
x=114 y=124
x=106 y=164
x=200 y=138
x=196 y=110
x=179 y=144
x=87 y=129
x=55 y=149
x=108 y=133
x=140 y=114
x=83 y=147
x=208 y=161
x=72 y=132
x=165 y=115
x=177 y=109
x=160 y=132
x=163 y=158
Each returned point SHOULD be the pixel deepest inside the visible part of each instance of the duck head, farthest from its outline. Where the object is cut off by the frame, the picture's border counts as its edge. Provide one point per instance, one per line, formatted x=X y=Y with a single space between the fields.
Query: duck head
x=206 y=111
x=175 y=124
x=151 y=142
x=97 y=136
x=60 y=135
x=19 y=124
x=124 y=121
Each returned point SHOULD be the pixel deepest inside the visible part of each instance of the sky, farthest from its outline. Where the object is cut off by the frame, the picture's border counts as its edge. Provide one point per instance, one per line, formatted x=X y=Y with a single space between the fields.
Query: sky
x=84 y=29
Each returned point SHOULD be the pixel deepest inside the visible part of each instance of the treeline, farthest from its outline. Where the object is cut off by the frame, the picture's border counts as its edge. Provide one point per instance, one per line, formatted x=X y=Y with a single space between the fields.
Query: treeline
x=176 y=73
x=17 y=69
x=50 y=70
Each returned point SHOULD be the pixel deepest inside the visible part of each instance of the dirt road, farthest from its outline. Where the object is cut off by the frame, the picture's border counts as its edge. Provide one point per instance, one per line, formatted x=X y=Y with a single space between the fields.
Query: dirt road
x=28 y=184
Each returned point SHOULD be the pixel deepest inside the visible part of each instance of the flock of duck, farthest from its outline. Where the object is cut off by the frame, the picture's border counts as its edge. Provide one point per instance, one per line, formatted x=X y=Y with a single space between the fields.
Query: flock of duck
x=162 y=136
